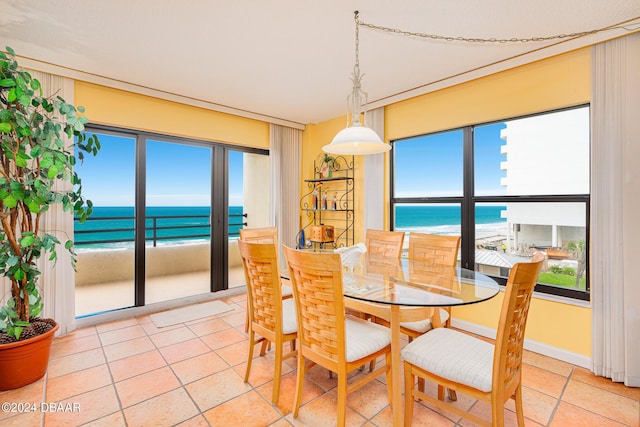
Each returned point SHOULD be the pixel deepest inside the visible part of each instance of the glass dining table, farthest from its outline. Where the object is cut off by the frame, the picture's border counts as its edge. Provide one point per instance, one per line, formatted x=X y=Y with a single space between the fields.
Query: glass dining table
x=408 y=290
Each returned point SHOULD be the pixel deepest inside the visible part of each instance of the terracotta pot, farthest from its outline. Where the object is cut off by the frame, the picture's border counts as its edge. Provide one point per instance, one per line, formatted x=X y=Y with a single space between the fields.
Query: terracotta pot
x=25 y=362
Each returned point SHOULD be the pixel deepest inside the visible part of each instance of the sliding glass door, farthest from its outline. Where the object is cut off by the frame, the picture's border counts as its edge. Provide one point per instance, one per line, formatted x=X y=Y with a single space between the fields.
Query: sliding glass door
x=105 y=269
x=177 y=221
x=166 y=221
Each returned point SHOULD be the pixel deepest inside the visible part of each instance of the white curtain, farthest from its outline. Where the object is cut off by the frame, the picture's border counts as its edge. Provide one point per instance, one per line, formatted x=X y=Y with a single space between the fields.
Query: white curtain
x=285 y=152
x=615 y=203
x=374 y=177
x=58 y=280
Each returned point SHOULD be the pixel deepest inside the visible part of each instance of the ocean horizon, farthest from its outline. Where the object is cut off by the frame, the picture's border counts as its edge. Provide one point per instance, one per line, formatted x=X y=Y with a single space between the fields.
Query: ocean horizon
x=112 y=226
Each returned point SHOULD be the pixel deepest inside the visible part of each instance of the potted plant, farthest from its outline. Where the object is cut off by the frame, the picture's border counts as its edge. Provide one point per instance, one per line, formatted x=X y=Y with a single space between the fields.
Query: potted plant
x=36 y=172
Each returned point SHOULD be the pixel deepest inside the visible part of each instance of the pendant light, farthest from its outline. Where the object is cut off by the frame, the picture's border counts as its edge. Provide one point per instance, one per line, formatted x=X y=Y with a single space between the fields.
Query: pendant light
x=356 y=138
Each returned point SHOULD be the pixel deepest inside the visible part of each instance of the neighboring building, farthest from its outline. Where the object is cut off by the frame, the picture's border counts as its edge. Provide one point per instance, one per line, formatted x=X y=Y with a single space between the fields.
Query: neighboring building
x=546 y=154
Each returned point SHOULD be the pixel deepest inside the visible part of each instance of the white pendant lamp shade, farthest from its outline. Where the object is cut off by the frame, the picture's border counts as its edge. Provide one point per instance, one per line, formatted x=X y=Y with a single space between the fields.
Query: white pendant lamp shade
x=356 y=139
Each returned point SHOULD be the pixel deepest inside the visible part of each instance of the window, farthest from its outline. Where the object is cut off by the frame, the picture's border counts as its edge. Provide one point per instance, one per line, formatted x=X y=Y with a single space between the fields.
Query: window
x=509 y=188
x=166 y=216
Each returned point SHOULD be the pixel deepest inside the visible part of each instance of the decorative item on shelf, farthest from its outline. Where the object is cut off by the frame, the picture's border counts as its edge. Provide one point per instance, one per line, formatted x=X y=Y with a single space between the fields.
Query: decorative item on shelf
x=356 y=138
x=322 y=233
x=314 y=196
x=324 y=198
x=334 y=202
x=326 y=168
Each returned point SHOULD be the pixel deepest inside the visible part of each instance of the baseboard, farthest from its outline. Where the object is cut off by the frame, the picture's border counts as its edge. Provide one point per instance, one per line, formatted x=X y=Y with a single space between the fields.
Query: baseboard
x=531 y=345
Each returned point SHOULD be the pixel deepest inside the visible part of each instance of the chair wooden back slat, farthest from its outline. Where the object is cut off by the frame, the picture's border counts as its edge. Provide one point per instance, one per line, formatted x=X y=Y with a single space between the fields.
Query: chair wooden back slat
x=513 y=319
x=434 y=248
x=317 y=289
x=384 y=243
x=263 y=284
x=265 y=315
x=260 y=235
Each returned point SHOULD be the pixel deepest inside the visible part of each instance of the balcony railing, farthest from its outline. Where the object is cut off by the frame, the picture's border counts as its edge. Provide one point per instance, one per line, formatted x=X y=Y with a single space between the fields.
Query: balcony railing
x=121 y=229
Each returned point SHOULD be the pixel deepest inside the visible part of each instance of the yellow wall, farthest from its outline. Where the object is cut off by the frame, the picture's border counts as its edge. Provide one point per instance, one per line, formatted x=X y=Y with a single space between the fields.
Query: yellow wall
x=552 y=83
x=314 y=138
x=114 y=107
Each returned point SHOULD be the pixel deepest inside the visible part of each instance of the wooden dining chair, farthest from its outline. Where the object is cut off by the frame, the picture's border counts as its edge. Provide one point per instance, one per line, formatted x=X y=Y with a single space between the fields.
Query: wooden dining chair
x=264 y=235
x=326 y=335
x=472 y=366
x=270 y=316
x=384 y=243
x=431 y=249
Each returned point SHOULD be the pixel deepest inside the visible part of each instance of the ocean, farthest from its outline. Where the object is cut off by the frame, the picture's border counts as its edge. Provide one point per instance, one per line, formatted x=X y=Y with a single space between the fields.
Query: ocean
x=112 y=227
x=445 y=219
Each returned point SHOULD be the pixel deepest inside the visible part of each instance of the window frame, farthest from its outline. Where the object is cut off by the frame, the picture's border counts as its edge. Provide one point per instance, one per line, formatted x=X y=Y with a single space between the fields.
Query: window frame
x=469 y=200
x=219 y=200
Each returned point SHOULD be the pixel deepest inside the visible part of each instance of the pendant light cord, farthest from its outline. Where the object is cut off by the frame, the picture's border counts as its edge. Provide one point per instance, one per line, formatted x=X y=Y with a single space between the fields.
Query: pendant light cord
x=631 y=27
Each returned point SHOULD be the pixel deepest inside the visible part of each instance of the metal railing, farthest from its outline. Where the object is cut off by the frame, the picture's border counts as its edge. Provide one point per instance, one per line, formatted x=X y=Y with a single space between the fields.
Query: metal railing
x=158 y=230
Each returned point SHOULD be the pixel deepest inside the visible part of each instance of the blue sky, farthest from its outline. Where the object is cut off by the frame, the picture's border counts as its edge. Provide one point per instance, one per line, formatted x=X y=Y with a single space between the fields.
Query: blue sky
x=431 y=165
x=179 y=175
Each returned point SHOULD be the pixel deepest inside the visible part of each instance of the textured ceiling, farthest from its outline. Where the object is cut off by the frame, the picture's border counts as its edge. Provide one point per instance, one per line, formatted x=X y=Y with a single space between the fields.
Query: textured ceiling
x=292 y=59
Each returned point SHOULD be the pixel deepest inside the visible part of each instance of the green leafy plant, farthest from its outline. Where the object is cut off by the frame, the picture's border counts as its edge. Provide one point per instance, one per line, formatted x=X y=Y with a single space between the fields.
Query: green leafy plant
x=36 y=172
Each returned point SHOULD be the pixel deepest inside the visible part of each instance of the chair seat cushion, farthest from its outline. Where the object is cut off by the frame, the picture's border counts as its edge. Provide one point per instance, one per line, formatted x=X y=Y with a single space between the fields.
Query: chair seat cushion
x=289 y=321
x=287 y=291
x=453 y=355
x=422 y=326
x=364 y=338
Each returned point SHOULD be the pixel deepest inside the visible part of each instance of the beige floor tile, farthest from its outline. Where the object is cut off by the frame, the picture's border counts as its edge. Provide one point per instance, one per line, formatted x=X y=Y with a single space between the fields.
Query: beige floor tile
x=322 y=412
x=236 y=318
x=118 y=324
x=145 y=386
x=262 y=369
x=74 y=345
x=128 y=348
x=23 y=419
x=547 y=363
x=75 y=362
x=609 y=405
x=209 y=327
x=310 y=391
x=369 y=399
x=173 y=336
x=184 y=350
x=150 y=327
x=197 y=421
x=568 y=414
x=167 y=409
x=124 y=334
x=544 y=381
x=83 y=408
x=192 y=376
x=586 y=376
x=421 y=417
x=78 y=333
x=199 y=367
x=135 y=365
x=74 y=384
x=113 y=420
x=223 y=338
x=216 y=389
x=234 y=354
x=248 y=410
x=32 y=394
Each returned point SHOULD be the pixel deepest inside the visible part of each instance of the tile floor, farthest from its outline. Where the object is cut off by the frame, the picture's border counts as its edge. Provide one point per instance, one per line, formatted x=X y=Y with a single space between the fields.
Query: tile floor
x=130 y=373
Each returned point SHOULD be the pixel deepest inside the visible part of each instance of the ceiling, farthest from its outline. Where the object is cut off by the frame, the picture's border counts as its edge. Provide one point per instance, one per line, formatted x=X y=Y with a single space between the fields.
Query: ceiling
x=291 y=60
